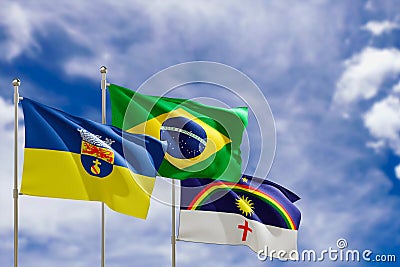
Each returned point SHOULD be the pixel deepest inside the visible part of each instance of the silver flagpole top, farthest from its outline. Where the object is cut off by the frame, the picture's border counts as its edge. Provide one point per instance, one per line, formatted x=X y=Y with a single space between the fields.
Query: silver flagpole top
x=16 y=82
x=103 y=69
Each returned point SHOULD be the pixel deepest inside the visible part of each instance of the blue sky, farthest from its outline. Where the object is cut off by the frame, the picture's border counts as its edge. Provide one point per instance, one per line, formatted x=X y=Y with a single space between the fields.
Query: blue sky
x=329 y=69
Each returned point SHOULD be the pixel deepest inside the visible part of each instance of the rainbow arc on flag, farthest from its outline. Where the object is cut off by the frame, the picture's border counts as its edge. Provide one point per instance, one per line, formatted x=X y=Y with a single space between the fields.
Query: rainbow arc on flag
x=268 y=199
x=252 y=212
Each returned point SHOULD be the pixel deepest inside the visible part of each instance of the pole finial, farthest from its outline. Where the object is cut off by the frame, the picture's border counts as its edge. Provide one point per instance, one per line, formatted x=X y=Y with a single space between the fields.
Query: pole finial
x=103 y=69
x=16 y=82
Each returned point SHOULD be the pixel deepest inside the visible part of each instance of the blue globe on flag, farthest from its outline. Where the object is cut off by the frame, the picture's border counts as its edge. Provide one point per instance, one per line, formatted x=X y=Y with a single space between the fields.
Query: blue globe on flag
x=186 y=139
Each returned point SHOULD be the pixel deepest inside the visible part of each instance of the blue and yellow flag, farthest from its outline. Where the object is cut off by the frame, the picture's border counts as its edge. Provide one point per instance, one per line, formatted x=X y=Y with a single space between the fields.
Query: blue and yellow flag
x=73 y=158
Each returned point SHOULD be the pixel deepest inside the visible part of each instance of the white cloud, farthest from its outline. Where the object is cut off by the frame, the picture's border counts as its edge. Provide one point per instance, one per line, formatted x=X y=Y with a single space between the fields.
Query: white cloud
x=397 y=171
x=383 y=121
x=376 y=146
x=365 y=72
x=320 y=170
x=7 y=111
x=396 y=88
x=6 y=160
x=198 y=26
x=160 y=33
x=19 y=25
x=379 y=27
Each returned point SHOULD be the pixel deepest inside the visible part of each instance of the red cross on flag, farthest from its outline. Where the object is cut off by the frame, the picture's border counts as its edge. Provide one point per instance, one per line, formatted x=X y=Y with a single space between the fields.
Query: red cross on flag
x=253 y=212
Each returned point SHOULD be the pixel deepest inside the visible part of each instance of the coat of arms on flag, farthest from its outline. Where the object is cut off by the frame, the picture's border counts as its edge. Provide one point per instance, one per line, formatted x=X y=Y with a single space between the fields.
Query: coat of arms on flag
x=97 y=156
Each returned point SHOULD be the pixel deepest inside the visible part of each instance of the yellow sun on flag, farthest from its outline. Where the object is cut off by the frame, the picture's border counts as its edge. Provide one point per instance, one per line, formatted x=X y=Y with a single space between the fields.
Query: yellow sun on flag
x=245 y=205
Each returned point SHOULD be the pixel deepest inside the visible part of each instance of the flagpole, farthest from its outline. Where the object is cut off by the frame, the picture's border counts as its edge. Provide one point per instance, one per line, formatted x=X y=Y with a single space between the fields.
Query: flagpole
x=103 y=71
x=173 y=235
x=16 y=83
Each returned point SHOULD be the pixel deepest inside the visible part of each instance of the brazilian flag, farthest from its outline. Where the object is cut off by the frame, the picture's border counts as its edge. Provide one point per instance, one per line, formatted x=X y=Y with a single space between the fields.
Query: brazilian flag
x=203 y=141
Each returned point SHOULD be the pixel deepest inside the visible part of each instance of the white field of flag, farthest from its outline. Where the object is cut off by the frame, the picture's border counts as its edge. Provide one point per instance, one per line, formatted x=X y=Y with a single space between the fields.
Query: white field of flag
x=235 y=229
